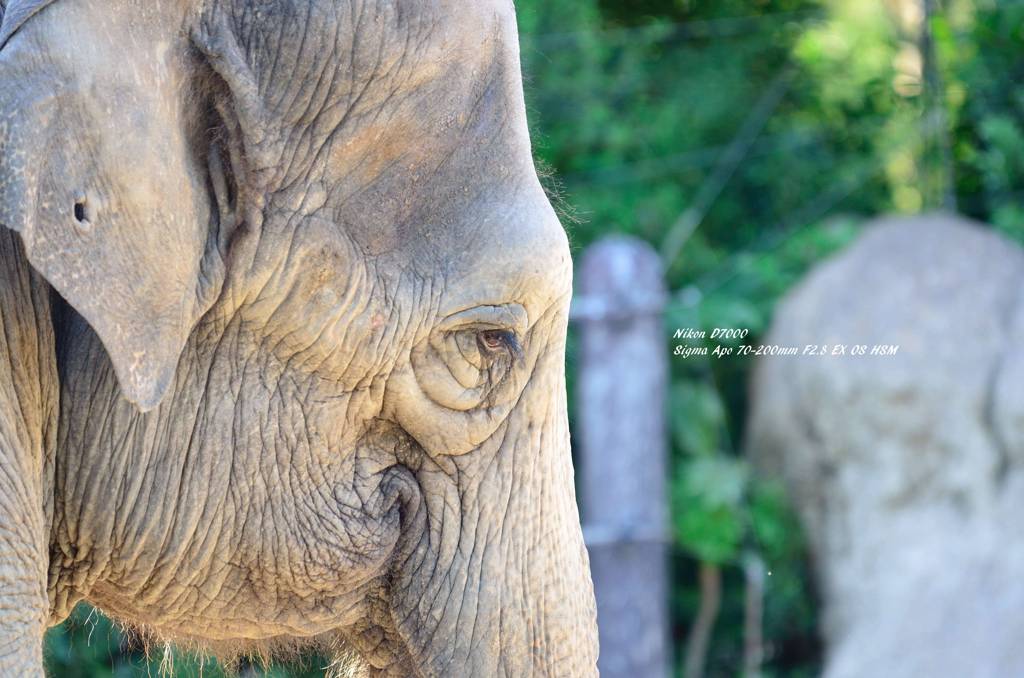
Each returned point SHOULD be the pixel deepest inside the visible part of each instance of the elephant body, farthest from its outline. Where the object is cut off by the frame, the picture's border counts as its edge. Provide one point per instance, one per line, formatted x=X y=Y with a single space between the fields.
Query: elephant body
x=285 y=307
x=29 y=402
x=907 y=470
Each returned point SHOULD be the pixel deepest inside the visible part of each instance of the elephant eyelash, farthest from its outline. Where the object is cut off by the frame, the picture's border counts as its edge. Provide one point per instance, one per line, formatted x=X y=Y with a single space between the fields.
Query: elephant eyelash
x=498 y=344
x=492 y=342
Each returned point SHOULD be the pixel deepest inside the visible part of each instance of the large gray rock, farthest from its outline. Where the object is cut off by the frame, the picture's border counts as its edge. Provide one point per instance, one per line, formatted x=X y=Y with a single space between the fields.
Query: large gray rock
x=908 y=470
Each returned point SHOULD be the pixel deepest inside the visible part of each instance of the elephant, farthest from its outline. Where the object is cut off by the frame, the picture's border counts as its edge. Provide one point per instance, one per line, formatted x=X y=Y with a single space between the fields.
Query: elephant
x=906 y=467
x=284 y=309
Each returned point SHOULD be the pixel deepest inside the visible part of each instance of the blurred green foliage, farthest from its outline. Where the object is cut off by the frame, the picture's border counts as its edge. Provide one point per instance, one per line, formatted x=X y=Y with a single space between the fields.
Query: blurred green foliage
x=635 y=107
x=89 y=645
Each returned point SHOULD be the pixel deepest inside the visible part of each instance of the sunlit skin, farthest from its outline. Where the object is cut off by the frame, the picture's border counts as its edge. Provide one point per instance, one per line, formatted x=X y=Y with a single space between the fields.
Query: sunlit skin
x=309 y=342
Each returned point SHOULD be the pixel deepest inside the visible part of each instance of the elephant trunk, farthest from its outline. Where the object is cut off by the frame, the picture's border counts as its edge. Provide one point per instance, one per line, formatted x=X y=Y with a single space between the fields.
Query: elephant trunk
x=498 y=582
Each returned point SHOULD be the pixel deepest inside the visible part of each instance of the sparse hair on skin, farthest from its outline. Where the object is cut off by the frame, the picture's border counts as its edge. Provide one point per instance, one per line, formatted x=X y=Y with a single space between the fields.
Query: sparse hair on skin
x=555 y=191
x=235 y=656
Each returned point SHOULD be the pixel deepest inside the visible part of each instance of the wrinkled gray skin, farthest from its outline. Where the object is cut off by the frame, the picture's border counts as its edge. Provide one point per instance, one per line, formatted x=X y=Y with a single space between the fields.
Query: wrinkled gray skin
x=907 y=471
x=304 y=375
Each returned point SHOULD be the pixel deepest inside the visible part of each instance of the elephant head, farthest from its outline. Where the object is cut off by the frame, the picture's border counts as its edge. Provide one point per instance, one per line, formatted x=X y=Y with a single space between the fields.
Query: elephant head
x=318 y=304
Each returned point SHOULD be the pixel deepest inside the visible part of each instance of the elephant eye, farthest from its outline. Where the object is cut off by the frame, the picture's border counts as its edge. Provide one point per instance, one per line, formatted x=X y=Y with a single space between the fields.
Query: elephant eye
x=475 y=358
x=496 y=341
x=487 y=335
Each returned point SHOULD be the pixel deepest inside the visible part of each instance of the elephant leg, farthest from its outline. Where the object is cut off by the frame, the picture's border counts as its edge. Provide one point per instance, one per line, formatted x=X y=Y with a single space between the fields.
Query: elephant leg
x=28 y=406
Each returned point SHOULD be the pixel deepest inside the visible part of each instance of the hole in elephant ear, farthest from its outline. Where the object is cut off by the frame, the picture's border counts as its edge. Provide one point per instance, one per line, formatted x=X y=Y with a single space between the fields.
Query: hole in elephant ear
x=83 y=214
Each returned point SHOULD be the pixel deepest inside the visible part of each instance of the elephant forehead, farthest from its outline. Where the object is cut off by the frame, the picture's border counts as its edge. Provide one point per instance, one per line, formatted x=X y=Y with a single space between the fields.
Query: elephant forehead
x=514 y=250
x=364 y=92
x=429 y=161
x=319 y=64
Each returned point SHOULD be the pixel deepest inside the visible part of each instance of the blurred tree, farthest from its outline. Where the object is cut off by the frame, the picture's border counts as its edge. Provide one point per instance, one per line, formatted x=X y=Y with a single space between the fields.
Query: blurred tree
x=979 y=45
x=637 y=107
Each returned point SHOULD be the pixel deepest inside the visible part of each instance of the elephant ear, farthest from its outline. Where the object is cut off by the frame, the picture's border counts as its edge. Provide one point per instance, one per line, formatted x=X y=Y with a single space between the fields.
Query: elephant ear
x=250 y=132
x=116 y=214
x=261 y=59
x=14 y=14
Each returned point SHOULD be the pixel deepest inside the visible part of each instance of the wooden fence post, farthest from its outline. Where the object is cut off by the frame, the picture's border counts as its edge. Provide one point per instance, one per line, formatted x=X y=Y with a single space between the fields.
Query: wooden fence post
x=621 y=386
